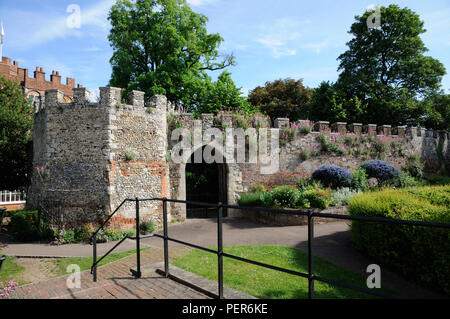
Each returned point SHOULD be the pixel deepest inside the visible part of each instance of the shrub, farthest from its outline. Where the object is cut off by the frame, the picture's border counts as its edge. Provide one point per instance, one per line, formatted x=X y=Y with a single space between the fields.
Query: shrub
x=380 y=147
x=304 y=155
x=329 y=147
x=250 y=200
x=285 y=196
x=421 y=254
x=333 y=176
x=403 y=179
x=257 y=188
x=380 y=170
x=306 y=129
x=147 y=227
x=317 y=198
x=342 y=196
x=106 y=235
x=24 y=226
x=359 y=180
x=414 y=166
x=129 y=156
x=303 y=184
x=437 y=180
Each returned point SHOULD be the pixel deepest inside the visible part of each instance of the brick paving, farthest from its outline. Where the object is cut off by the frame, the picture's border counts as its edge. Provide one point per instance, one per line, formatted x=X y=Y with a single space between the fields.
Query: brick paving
x=114 y=281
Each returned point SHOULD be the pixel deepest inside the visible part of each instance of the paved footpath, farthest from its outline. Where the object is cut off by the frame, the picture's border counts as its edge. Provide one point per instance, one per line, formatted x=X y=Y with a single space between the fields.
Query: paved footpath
x=114 y=282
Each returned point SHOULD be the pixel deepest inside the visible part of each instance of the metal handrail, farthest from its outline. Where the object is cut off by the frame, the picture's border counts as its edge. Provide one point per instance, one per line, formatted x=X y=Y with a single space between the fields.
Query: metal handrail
x=109 y=218
x=2 y=259
x=310 y=214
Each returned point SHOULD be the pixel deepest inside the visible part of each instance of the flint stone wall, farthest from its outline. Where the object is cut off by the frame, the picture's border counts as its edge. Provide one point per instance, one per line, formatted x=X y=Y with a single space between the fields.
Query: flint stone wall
x=96 y=155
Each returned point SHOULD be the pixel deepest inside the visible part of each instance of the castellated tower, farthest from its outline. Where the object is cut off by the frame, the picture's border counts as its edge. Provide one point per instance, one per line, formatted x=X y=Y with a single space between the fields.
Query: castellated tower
x=95 y=155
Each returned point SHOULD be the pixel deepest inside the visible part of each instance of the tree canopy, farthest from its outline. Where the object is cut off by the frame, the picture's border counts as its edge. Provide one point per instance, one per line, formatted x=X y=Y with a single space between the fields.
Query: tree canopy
x=163 y=47
x=386 y=67
x=223 y=94
x=16 y=123
x=282 y=98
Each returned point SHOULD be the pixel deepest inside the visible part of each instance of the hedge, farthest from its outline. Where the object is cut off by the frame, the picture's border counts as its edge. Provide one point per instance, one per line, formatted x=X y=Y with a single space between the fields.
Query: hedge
x=421 y=254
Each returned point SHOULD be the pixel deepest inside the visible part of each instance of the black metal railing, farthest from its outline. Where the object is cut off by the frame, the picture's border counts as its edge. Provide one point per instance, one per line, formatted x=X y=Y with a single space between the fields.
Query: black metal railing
x=310 y=214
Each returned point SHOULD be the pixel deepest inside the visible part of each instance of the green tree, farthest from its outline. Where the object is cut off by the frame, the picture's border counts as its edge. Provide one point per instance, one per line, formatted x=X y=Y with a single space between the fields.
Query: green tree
x=163 y=47
x=436 y=112
x=16 y=123
x=223 y=94
x=282 y=98
x=386 y=67
x=329 y=104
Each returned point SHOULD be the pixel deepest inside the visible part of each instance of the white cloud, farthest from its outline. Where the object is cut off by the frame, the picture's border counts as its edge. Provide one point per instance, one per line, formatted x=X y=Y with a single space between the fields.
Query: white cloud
x=317 y=46
x=47 y=28
x=280 y=36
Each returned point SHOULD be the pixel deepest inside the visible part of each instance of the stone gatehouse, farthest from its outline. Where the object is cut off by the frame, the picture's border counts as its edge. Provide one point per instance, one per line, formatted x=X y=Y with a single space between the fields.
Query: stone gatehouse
x=92 y=156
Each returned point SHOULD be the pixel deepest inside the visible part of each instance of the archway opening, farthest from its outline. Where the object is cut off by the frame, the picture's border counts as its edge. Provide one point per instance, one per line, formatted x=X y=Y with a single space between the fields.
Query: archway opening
x=205 y=183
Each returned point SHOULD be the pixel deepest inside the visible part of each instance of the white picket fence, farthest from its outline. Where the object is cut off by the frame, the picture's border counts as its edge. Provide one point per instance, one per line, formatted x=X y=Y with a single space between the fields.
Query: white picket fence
x=9 y=197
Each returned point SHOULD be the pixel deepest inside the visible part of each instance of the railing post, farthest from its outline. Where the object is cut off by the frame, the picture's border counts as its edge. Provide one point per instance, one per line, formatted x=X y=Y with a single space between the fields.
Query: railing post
x=94 y=265
x=310 y=255
x=166 y=241
x=220 y=249
x=138 y=241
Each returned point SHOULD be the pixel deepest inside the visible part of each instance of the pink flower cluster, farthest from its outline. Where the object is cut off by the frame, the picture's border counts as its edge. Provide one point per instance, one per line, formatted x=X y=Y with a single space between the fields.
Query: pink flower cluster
x=41 y=171
x=9 y=289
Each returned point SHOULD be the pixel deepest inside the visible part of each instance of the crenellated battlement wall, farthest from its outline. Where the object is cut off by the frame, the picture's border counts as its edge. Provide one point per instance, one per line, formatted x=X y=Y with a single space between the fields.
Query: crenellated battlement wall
x=36 y=85
x=95 y=155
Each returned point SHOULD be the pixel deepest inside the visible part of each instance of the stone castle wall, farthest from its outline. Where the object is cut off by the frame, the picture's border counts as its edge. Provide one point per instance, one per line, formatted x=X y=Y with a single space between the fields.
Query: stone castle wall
x=96 y=155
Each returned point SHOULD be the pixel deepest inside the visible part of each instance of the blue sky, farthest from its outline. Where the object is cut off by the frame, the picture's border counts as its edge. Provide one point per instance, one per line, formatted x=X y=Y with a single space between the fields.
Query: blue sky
x=270 y=39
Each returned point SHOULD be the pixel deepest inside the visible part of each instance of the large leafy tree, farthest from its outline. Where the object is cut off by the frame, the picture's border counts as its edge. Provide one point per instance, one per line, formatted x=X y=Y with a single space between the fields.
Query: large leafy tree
x=223 y=94
x=282 y=98
x=163 y=47
x=435 y=112
x=16 y=122
x=329 y=104
x=386 y=67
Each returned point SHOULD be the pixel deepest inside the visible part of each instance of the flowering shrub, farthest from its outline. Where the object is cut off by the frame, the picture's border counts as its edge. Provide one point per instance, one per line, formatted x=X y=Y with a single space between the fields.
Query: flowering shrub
x=334 y=144
x=333 y=176
x=242 y=119
x=317 y=198
x=42 y=172
x=380 y=170
x=289 y=133
x=8 y=289
x=306 y=127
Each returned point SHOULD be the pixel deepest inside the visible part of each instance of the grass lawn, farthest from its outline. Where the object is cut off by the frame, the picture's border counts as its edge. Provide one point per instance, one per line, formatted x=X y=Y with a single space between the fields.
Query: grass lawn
x=266 y=283
x=12 y=271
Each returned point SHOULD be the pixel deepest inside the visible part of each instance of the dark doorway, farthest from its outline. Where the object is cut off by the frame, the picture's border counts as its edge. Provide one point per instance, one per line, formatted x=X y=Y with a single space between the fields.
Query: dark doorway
x=205 y=183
